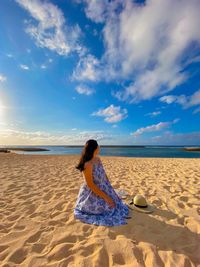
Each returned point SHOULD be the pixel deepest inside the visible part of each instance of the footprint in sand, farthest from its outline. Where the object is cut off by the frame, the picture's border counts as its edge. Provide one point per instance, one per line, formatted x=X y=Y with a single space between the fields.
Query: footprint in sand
x=3 y=252
x=59 y=206
x=34 y=238
x=2 y=204
x=87 y=229
x=48 y=196
x=88 y=250
x=31 y=209
x=19 y=227
x=181 y=205
x=13 y=217
x=181 y=220
x=38 y=247
x=167 y=187
x=119 y=259
x=102 y=257
x=185 y=199
x=2 y=248
x=137 y=252
x=59 y=252
x=18 y=256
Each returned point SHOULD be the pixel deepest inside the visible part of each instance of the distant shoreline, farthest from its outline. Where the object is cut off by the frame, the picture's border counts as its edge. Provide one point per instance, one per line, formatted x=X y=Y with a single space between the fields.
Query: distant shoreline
x=139 y=146
x=31 y=149
x=192 y=148
x=112 y=150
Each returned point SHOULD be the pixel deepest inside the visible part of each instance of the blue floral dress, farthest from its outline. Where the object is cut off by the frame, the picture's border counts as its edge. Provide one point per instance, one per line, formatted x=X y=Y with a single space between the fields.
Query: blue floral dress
x=92 y=209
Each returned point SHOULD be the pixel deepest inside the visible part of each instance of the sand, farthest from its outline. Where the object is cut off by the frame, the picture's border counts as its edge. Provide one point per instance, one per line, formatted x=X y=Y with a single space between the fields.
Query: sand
x=38 y=228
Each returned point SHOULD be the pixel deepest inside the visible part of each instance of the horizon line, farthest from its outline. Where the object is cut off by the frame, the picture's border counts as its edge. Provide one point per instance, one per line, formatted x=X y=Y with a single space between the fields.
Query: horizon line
x=100 y=145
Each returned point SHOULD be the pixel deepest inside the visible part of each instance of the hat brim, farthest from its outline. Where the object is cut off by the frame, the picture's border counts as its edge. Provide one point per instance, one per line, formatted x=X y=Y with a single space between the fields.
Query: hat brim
x=149 y=209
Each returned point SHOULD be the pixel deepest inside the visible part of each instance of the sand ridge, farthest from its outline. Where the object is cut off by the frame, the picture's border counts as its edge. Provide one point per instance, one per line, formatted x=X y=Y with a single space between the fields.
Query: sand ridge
x=38 y=228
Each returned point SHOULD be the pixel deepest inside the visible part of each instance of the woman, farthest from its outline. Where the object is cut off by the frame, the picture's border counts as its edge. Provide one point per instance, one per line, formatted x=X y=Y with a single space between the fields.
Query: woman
x=97 y=201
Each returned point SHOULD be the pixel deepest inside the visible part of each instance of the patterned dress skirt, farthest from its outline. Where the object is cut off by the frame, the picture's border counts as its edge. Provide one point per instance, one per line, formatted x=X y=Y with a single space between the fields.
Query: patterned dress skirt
x=92 y=209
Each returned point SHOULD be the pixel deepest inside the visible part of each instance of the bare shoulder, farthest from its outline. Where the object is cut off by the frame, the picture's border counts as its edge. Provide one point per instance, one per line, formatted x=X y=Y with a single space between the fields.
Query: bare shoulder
x=97 y=158
x=88 y=164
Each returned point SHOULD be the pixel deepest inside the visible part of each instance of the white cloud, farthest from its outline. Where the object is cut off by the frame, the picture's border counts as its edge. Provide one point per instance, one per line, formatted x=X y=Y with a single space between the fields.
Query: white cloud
x=193 y=99
x=151 y=128
x=195 y=59
x=24 y=67
x=82 y=89
x=99 y=11
x=3 y=78
x=96 y=10
x=87 y=69
x=185 y=101
x=153 y=114
x=50 y=31
x=168 y=99
x=13 y=136
x=9 y=55
x=43 y=66
x=98 y=135
x=154 y=128
x=149 y=44
x=175 y=120
x=112 y=113
x=197 y=110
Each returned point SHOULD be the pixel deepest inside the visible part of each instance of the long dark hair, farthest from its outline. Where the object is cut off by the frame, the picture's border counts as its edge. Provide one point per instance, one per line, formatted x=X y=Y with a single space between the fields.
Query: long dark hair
x=87 y=153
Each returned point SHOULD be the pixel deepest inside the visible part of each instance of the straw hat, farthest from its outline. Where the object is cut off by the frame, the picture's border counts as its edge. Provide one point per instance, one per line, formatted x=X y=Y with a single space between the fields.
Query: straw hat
x=140 y=204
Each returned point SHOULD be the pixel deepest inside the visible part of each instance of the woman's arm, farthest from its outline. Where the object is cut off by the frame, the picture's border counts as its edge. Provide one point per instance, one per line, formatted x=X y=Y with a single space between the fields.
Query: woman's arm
x=91 y=184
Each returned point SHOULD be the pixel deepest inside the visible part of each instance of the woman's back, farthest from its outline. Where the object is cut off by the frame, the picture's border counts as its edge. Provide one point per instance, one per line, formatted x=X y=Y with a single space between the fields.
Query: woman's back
x=93 y=209
x=92 y=168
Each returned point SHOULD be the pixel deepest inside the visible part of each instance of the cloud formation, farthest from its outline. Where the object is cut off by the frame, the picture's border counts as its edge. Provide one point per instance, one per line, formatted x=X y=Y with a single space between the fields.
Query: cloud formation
x=8 y=136
x=87 y=69
x=112 y=113
x=147 y=44
x=96 y=10
x=82 y=89
x=24 y=67
x=183 y=100
x=153 y=114
x=154 y=128
x=50 y=30
x=197 y=110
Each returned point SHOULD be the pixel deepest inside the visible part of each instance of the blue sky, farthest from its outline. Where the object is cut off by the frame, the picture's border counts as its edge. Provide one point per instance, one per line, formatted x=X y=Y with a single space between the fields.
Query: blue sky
x=121 y=72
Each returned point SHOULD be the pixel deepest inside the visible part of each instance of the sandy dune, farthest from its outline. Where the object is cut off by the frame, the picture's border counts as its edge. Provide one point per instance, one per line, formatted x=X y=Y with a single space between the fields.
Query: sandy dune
x=38 y=228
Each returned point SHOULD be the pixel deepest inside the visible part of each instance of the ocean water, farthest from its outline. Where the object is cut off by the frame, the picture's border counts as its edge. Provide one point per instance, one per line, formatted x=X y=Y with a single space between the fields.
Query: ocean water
x=124 y=151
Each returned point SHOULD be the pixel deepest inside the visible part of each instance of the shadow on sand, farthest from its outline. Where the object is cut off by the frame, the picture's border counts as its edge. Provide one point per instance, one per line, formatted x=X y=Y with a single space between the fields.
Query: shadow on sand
x=165 y=236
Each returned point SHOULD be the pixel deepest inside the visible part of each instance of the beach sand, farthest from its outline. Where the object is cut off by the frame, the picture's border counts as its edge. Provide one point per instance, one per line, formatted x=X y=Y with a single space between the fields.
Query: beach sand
x=38 y=228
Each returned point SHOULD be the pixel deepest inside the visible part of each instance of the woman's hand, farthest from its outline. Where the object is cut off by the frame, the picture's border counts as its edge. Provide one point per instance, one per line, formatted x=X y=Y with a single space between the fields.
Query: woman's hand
x=110 y=202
